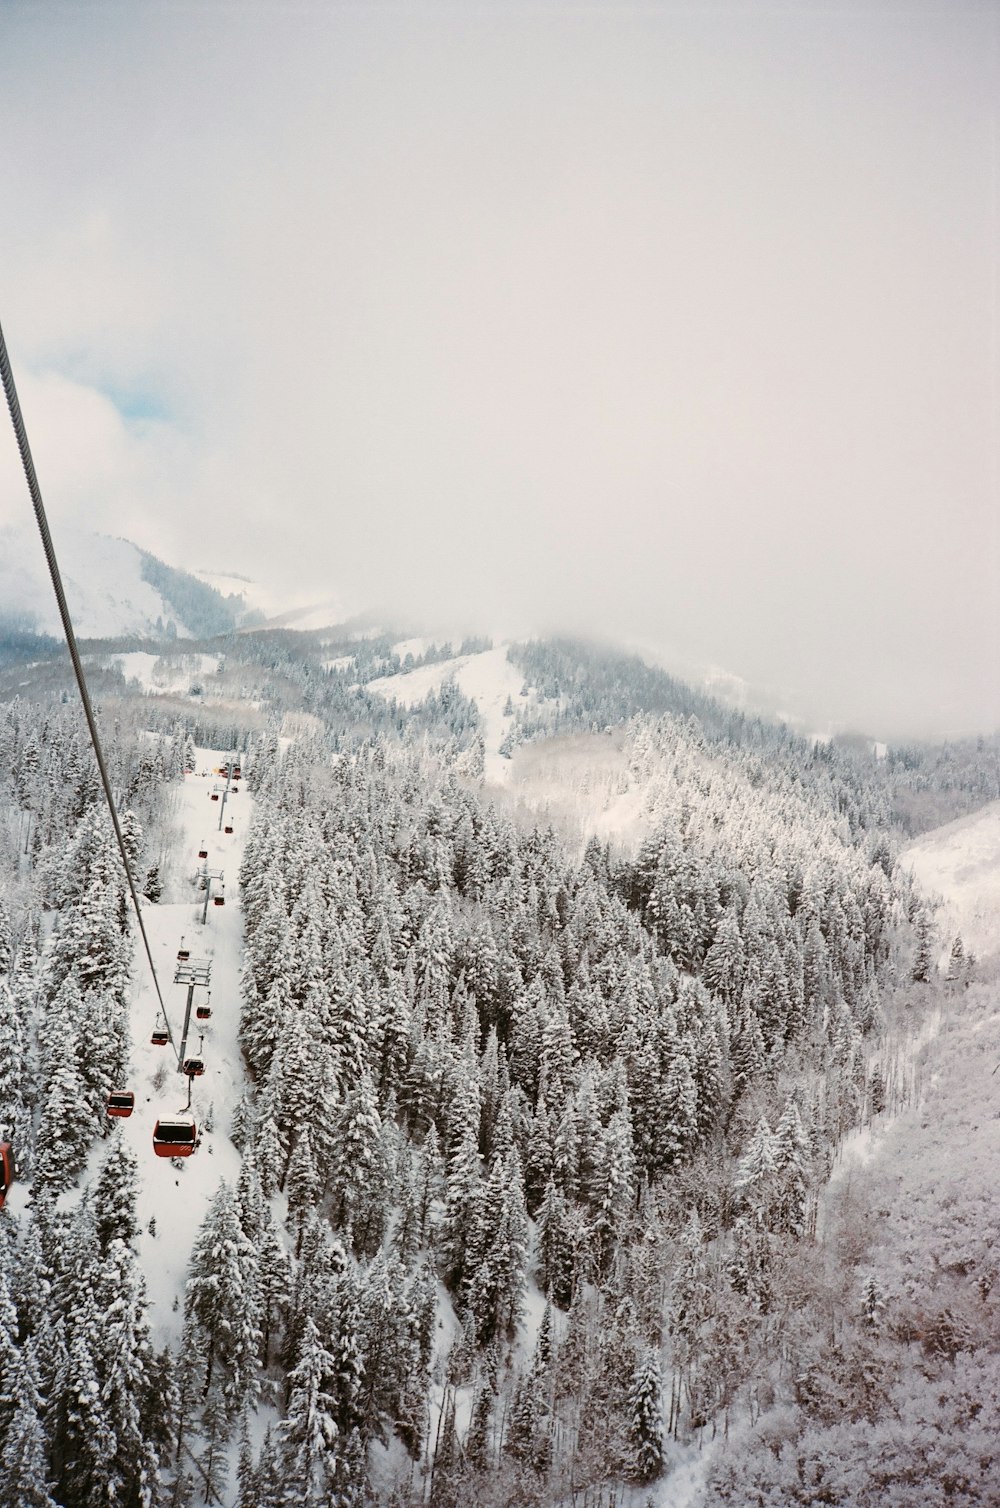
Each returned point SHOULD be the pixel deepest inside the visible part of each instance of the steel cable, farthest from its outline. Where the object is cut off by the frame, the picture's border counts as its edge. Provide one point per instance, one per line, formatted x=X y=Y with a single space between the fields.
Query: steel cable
x=28 y=464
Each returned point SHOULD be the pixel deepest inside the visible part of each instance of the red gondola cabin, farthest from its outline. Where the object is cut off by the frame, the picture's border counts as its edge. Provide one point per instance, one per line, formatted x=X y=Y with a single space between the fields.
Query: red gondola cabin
x=219 y=900
x=203 y=1012
x=214 y=795
x=160 y=1036
x=121 y=1102
x=6 y=1169
x=175 y=1138
x=228 y=827
x=203 y=852
x=183 y=954
x=193 y=1067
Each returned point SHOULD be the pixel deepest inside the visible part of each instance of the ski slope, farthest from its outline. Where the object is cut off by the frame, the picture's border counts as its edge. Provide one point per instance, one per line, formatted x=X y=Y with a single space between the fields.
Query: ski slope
x=175 y=1194
x=487 y=678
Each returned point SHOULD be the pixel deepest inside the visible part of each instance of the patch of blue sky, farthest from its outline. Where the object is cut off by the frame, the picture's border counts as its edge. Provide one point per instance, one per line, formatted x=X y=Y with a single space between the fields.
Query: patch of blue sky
x=139 y=404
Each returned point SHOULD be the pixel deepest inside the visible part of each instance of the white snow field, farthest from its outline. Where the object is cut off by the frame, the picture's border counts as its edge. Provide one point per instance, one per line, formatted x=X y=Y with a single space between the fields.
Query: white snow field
x=960 y=862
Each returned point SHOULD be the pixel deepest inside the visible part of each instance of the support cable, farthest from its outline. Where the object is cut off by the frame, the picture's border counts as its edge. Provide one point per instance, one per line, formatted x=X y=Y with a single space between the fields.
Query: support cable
x=27 y=462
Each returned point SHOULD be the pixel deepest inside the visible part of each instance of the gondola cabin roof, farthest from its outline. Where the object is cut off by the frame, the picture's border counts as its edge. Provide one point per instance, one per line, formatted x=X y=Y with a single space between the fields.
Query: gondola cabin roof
x=175 y=1138
x=121 y=1102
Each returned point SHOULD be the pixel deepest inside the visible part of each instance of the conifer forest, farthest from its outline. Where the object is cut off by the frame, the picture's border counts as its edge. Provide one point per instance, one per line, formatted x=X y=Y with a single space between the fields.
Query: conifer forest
x=536 y=1166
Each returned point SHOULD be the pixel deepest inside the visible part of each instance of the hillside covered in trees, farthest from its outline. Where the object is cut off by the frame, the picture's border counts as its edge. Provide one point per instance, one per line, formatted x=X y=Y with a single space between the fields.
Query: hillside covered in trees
x=534 y=1132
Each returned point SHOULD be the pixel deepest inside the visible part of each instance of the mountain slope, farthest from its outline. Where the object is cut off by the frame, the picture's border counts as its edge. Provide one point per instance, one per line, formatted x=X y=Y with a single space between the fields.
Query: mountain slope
x=113 y=588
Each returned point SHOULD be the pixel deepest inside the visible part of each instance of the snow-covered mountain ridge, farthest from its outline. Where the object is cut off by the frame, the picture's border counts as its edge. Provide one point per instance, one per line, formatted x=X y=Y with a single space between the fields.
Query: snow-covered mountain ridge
x=114 y=590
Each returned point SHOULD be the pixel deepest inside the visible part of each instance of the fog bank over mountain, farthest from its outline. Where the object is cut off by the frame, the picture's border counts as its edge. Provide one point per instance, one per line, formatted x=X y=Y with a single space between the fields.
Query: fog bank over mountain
x=669 y=323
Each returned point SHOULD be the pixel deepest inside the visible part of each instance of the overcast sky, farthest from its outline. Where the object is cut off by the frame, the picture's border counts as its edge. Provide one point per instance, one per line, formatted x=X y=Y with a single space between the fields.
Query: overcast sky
x=671 y=322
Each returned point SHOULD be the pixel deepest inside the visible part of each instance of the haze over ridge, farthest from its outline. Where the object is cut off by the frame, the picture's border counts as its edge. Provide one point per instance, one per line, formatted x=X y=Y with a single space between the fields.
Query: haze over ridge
x=651 y=323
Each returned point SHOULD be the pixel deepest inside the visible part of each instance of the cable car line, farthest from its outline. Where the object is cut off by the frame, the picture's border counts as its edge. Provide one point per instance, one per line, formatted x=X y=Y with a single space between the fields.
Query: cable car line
x=28 y=464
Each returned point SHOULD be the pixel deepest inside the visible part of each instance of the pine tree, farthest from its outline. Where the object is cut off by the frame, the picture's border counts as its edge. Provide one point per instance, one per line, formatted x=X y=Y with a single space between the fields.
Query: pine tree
x=223 y=1300
x=791 y=1157
x=67 y=1124
x=495 y=1274
x=556 y=1256
x=23 y=1467
x=213 y=1458
x=303 y=1184
x=274 y=1280
x=923 y=960
x=725 y=961
x=645 y=1428
x=477 y=1440
x=872 y=1304
x=527 y=1438
x=123 y=1354
x=114 y=1196
x=83 y=1444
x=309 y=1432
x=756 y=1174
x=357 y=1140
x=13 y=1083
x=462 y=1201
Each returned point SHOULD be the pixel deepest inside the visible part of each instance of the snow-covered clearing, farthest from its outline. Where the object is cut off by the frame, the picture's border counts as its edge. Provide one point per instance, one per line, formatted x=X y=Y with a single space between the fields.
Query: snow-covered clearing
x=582 y=784
x=487 y=678
x=309 y=618
x=165 y=673
x=175 y=1194
x=958 y=864
x=415 y=647
x=961 y=863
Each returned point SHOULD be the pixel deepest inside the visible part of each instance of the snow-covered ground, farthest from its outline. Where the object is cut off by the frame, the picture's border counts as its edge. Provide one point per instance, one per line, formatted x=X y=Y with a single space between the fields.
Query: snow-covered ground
x=311 y=616
x=961 y=863
x=176 y=1194
x=487 y=678
x=164 y=673
x=415 y=647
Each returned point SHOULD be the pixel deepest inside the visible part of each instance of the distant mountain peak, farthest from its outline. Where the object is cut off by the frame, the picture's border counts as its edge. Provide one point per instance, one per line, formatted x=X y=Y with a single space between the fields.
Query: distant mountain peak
x=114 y=590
